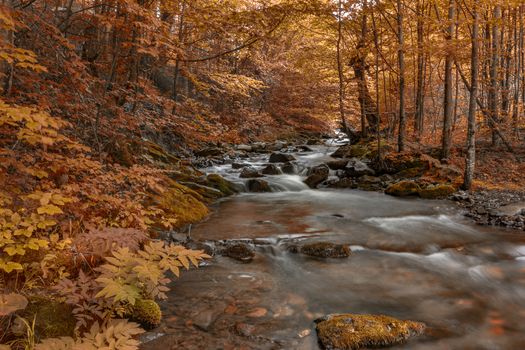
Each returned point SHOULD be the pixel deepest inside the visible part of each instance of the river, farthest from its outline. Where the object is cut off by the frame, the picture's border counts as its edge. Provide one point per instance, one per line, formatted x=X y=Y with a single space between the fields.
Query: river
x=411 y=259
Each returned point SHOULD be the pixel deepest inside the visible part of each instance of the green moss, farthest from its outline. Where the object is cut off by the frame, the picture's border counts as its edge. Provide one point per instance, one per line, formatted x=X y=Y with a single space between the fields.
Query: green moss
x=158 y=153
x=351 y=331
x=53 y=318
x=220 y=183
x=183 y=203
x=403 y=188
x=326 y=250
x=437 y=191
x=147 y=313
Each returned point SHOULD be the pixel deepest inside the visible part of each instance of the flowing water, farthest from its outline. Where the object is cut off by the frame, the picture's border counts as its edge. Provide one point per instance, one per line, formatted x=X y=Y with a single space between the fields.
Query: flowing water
x=411 y=259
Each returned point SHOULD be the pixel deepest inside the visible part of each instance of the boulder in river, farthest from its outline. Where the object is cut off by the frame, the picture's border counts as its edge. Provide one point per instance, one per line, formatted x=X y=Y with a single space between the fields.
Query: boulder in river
x=337 y=164
x=403 y=188
x=240 y=251
x=226 y=187
x=236 y=165
x=289 y=168
x=369 y=183
x=323 y=250
x=356 y=168
x=279 y=157
x=353 y=331
x=316 y=175
x=271 y=169
x=250 y=172
x=258 y=185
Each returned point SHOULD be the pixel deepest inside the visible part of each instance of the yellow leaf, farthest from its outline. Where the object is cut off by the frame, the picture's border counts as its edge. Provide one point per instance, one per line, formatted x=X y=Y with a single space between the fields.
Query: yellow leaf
x=49 y=209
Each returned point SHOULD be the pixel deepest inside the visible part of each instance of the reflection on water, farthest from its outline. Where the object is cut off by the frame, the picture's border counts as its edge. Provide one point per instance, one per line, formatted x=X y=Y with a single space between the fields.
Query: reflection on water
x=411 y=259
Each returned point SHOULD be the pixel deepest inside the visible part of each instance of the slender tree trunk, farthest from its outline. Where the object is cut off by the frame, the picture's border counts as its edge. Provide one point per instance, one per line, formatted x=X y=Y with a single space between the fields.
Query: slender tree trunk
x=448 y=107
x=176 y=70
x=401 y=61
x=418 y=125
x=494 y=88
x=517 y=79
x=340 y=68
x=470 y=161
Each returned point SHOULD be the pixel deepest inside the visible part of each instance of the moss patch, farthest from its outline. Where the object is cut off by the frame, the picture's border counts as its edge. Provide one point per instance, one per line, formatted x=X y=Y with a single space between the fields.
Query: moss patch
x=53 y=318
x=437 y=191
x=403 y=188
x=183 y=203
x=326 y=250
x=218 y=182
x=147 y=313
x=351 y=331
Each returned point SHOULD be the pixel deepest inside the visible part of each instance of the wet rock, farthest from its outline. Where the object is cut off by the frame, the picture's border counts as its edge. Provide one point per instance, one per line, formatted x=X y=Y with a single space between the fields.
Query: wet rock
x=437 y=191
x=278 y=157
x=510 y=209
x=258 y=185
x=356 y=168
x=316 y=175
x=351 y=151
x=271 y=169
x=241 y=252
x=289 y=168
x=239 y=165
x=226 y=187
x=259 y=147
x=250 y=172
x=352 y=331
x=403 y=188
x=369 y=183
x=277 y=146
x=323 y=250
x=343 y=183
x=304 y=148
x=246 y=148
x=337 y=164
x=210 y=152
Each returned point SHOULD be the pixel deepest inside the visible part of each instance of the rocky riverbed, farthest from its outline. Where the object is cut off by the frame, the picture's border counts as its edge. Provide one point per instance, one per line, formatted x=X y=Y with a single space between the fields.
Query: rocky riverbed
x=322 y=239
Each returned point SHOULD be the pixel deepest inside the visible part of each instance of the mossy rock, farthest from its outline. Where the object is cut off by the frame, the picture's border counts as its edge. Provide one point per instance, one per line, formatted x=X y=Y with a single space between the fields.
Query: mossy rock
x=403 y=188
x=53 y=318
x=226 y=187
x=326 y=250
x=158 y=153
x=147 y=313
x=352 y=331
x=183 y=203
x=352 y=151
x=437 y=191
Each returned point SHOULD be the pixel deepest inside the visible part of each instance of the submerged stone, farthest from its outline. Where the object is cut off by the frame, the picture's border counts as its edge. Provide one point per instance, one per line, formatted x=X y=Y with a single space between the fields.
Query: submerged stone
x=353 y=331
x=250 y=172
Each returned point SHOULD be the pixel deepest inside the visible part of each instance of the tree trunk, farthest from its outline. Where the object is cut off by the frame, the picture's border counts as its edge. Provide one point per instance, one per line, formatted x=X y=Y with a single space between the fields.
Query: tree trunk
x=494 y=88
x=448 y=107
x=420 y=98
x=470 y=160
x=401 y=61
x=340 y=69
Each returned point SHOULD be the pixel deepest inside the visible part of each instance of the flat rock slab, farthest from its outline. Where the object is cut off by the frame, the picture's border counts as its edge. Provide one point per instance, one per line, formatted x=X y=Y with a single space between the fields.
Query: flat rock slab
x=511 y=209
x=353 y=331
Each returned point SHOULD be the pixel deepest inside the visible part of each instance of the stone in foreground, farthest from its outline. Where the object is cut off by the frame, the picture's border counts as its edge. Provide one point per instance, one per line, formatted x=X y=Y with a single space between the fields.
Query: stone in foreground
x=353 y=331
